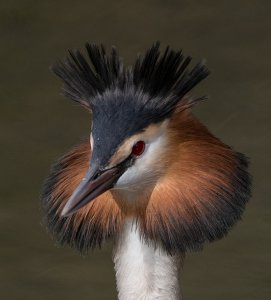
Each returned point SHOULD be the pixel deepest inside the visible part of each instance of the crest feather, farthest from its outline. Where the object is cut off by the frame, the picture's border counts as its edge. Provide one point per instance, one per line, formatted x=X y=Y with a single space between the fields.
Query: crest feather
x=163 y=77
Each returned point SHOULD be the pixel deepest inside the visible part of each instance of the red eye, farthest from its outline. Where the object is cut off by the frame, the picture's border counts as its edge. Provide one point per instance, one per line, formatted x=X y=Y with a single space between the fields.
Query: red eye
x=138 y=148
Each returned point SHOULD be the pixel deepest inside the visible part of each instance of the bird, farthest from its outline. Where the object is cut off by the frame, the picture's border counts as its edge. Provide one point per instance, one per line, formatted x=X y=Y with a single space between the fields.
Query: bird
x=150 y=177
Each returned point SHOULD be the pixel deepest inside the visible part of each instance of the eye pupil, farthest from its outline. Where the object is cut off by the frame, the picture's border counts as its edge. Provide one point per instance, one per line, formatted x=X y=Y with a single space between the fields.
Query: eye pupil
x=138 y=148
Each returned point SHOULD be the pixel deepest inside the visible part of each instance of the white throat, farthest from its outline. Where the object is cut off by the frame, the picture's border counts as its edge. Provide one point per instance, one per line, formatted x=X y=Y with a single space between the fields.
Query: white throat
x=142 y=272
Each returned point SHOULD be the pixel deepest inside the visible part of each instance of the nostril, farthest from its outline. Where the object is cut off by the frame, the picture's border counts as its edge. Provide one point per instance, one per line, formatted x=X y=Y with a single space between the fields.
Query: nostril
x=96 y=175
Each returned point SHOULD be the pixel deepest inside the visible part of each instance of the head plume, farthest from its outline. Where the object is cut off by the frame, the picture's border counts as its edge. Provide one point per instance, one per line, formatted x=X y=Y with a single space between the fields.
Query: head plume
x=158 y=81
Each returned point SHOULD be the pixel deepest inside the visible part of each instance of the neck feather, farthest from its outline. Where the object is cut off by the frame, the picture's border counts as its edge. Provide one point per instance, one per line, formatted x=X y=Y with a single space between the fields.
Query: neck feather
x=143 y=272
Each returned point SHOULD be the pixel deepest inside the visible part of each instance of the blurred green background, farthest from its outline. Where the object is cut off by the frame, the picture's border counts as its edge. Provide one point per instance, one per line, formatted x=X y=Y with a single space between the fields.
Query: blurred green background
x=38 y=125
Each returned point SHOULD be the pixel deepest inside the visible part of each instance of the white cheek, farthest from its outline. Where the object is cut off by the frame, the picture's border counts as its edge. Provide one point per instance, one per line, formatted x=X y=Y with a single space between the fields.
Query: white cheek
x=146 y=167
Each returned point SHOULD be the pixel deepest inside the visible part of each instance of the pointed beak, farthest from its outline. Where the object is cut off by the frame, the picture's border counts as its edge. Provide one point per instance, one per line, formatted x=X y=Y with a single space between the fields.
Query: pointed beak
x=92 y=185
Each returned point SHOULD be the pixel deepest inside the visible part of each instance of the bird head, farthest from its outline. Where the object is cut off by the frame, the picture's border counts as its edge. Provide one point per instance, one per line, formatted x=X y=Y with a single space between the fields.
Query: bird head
x=147 y=155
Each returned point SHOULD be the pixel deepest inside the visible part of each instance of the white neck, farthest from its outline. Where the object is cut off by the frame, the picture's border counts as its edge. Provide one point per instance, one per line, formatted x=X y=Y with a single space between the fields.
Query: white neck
x=142 y=272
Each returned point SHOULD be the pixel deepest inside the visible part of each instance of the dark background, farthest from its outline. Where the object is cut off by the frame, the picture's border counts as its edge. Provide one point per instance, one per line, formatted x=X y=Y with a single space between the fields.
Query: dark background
x=38 y=125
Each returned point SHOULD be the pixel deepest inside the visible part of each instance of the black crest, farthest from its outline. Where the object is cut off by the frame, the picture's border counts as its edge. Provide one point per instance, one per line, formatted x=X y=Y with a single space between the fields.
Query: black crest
x=163 y=78
x=125 y=100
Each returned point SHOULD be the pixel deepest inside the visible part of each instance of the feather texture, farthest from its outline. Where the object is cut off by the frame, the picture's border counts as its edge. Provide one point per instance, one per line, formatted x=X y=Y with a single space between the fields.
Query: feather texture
x=157 y=81
x=200 y=196
x=88 y=228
